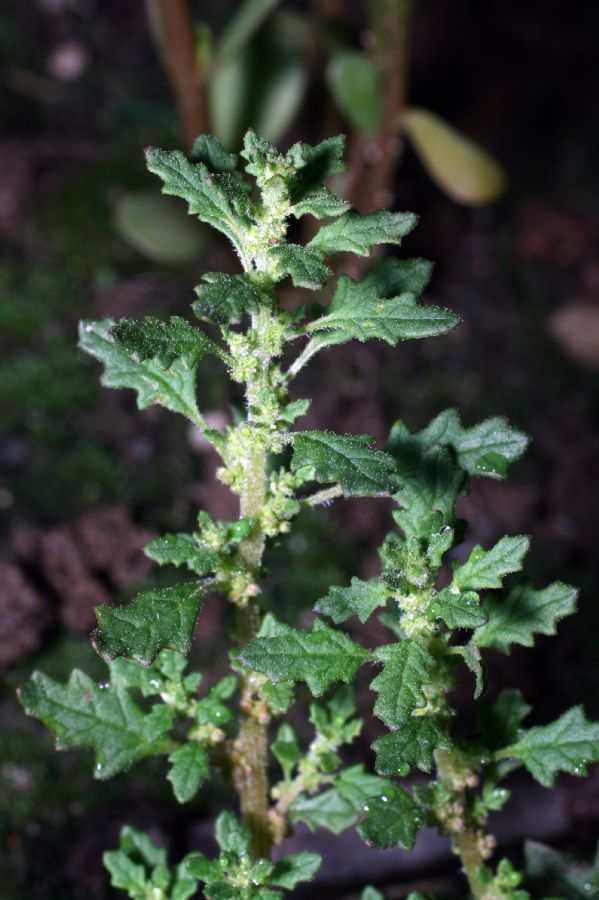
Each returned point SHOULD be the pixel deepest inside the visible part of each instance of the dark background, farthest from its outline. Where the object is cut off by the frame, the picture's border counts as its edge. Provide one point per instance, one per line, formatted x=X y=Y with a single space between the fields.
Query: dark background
x=85 y=478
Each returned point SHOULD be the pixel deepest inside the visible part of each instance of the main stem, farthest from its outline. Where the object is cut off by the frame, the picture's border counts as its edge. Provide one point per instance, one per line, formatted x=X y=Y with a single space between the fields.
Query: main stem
x=251 y=768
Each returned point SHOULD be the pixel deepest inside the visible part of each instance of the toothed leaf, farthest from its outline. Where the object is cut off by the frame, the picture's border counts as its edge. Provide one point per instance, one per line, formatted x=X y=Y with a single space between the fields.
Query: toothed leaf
x=291 y=870
x=227 y=298
x=458 y=610
x=391 y=819
x=408 y=666
x=321 y=204
x=304 y=266
x=356 y=233
x=163 y=342
x=487 y=568
x=344 y=458
x=327 y=810
x=182 y=550
x=412 y=746
x=360 y=599
x=523 y=613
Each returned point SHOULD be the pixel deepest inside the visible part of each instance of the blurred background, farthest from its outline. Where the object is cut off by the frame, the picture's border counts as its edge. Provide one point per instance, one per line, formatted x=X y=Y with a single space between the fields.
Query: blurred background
x=481 y=118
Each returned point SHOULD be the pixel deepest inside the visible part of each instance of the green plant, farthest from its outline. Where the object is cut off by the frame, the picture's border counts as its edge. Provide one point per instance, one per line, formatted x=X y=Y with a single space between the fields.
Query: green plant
x=150 y=705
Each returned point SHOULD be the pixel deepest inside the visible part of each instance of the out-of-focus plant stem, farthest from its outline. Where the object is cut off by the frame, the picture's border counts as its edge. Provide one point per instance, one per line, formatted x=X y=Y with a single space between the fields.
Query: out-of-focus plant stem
x=173 y=32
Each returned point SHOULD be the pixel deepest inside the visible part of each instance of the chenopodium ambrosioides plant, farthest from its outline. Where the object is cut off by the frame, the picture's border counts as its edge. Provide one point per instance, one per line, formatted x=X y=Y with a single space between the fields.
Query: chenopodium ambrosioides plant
x=273 y=469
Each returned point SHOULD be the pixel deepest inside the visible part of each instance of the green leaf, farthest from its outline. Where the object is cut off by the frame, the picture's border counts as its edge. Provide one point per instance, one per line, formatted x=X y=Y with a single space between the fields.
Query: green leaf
x=487 y=568
x=125 y=874
x=356 y=233
x=430 y=484
x=303 y=265
x=524 y=613
x=183 y=550
x=470 y=653
x=500 y=722
x=208 y=150
x=173 y=388
x=291 y=870
x=355 y=83
x=408 y=666
x=485 y=449
x=359 y=312
x=413 y=745
x=391 y=819
x=567 y=745
x=162 y=342
x=158 y=227
x=189 y=769
x=319 y=658
x=358 y=786
x=151 y=622
x=327 y=810
x=204 y=869
x=103 y=718
x=313 y=165
x=321 y=204
x=227 y=298
x=344 y=458
x=360 y=599
x=231 y=836
x=370 y=893
x=217 y=199
x=286 y=749
x=247 y=18
x=462 y=169
x=396 y=276
x=458 y=610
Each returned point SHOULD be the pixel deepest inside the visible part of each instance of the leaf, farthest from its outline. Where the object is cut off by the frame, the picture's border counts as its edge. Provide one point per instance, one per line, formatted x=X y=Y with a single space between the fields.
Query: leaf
x=173 y=388
x=303 y=265
x=408 y=666
x=360 y=599
x=327 y=810
x=227 y=298
x=499 y=723
x=158 y=227
x=524 y=613
x=395 y=276
x=183 y=549
x=391 y=819
x=313 y=165
x=189 y=769
x=355 y=83
x=485 y=449
x=151 y=622
x=248 y=17
x=357 y=233
x=567 y=745
x=321 y=204
x=430 y=484
x=286 y=749
x=162 y=342
x=124 y=873
x=470 y=653
x=358 y=312
x=208 y=150
x=217 y=199
x=231 y=836
x=103 y=718
x=291 y=870
x=357 y=785
x=347 y=459
x=370 y=893
x=487 y=568
x=462 y=169
x=319 y=658
x=413 y=745
x=458 y=610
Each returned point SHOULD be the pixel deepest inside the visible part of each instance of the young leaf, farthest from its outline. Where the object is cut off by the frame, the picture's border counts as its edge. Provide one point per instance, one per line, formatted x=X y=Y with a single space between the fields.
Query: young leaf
x=163 y=342
x=413 y=745
x=370 y=893
x=189 y=769
x=360 y=599
x=321 y=204
x=567 y=745
x=173 y=388
x=470 y=653
x=355 y=233
x=466 y=172
x=227 y=298
x=208 y=150
x=344 y=458
x=182 y=550
x=458 y=610
x=303 y=265
x=286 y=749
x=291 y=870
x=125 y=874
x=104 y=718
x=487 y=568
x=231 y=836
x=430 y=483
x=151 y=622
x=327 y=810
x=217 y=199
x=391 y=819
x=355 y=82
x=524 y=613
x=202 y=868
x=319 y=658
x=358 y=786
x=311 y=166
x=408 y=666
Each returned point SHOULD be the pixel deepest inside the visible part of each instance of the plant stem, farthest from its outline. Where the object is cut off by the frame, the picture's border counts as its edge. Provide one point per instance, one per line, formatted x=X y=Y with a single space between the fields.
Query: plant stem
x=172 y=29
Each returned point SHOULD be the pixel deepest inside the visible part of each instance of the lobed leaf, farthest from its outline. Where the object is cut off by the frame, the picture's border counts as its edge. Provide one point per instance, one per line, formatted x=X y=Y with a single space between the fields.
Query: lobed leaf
x=173 y=388
x=313 y=165
x=103 y=718
x=286 y=749
x=487 y=568
x=326 y=810
x=567 y=745
x=208 y=150
x=524 y=613
x=458 y=610
x=347 y=459
x=408 y=666
x=392 y=818
x=430 y=484
x=151 y=622
x=291 y=870
x=398 y=752
x=360 y=599
x=358 y=786
x=319 y=658
x=356 y=233
x=303 y=265
x=189 y=769
x=227 y=298
x=183 y=549
x=163 y=342
x=321 y=204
